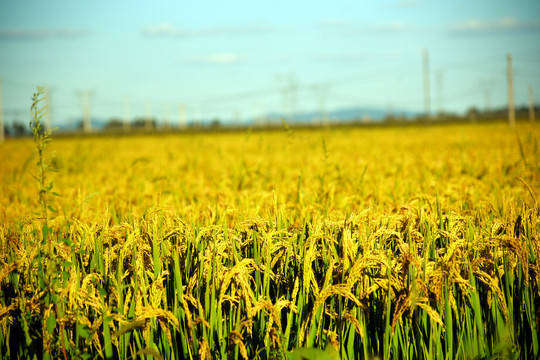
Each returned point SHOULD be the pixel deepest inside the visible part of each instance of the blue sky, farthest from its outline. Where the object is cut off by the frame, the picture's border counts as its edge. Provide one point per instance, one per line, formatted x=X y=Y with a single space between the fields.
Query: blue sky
x=235 y=58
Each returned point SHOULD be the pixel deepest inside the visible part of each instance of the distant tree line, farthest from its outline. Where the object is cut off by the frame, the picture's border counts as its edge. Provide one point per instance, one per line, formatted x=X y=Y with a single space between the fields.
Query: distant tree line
x=473 y=114
x=116 y=124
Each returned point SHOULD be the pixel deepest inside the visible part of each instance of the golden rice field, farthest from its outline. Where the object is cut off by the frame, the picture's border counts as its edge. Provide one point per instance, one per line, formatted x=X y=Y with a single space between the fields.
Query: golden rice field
x=416 y=242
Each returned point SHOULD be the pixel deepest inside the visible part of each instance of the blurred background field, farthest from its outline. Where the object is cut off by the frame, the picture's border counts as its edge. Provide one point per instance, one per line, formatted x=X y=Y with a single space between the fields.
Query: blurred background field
x=332 y=172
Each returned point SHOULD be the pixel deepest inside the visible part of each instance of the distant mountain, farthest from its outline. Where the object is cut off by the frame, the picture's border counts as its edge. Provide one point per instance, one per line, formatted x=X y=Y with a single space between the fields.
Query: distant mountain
x=97 y=123
x=347 y=114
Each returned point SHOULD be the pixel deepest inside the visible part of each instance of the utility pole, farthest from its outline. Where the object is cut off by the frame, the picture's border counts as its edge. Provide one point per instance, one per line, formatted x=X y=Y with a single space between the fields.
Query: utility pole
x=284 y=94
x=425 y=71
x=236 y=117
x=320 y=91
x=182 y=122
x=511 y=111
x=293 y=89
x=531 y=105
x=258 y=117
x=48 y=119
x=166 y=116
x=86 y=96
x=126 y=126
x=439 y=81
x=2 y=135
x=148 y=120
x=197 y=122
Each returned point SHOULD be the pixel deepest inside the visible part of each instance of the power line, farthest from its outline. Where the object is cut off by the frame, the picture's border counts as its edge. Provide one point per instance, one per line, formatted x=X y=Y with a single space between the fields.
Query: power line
x=487 y=86
x=290 y=90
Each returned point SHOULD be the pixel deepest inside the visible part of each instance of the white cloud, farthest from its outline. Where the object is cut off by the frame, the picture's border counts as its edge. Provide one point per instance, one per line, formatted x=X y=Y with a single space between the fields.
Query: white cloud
x=168 y=30
x=506 y=24
x=43 y=33
x=333 y=22
x=407 y=4
x=360 y=56
x=347 y=27
x=388 y=28
x=214 y=59
x=163 y=29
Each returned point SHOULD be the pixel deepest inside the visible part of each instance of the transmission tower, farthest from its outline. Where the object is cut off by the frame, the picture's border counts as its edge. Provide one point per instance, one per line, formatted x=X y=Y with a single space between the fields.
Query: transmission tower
x=289 y=88
x=86 y=100
x=320 y=92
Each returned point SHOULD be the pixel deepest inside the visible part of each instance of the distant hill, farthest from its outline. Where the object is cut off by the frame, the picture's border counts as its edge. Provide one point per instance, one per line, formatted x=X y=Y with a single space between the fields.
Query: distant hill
x=348 y=114
x=338 y=115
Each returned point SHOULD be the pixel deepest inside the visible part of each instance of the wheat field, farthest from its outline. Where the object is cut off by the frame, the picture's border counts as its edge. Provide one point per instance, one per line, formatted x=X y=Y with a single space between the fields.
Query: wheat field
x=412 y=242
